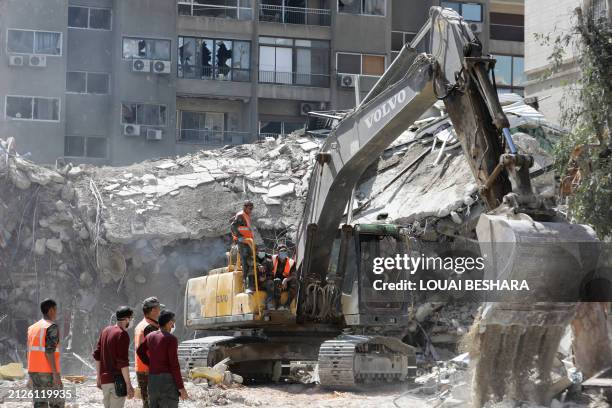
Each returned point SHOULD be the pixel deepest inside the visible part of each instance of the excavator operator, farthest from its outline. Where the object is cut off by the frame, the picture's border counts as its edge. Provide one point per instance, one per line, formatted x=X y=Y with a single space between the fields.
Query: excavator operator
x=283 y=278
x=241 y=232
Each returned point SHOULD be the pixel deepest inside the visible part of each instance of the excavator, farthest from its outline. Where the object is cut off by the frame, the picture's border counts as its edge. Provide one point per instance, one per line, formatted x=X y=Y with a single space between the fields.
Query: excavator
x=337 y=320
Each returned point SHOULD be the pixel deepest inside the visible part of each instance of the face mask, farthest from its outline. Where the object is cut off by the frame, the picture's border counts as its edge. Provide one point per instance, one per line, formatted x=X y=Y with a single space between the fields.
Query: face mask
x=261 y=255
x=282 y=255
x=172 y=329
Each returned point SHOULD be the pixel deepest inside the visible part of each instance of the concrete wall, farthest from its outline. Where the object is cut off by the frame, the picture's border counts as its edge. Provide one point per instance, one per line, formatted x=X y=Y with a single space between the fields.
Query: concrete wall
x=45 y=140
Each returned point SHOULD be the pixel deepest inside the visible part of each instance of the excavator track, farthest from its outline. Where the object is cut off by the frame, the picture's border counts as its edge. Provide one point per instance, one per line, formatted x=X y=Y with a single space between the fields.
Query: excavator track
x=356 y=361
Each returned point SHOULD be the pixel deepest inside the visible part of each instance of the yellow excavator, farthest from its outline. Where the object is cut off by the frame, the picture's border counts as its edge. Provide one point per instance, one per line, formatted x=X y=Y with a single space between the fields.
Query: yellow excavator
x=353 y=332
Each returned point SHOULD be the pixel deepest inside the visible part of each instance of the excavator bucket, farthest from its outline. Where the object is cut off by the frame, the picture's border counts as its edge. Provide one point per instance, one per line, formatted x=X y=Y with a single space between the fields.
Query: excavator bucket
x=518 y=332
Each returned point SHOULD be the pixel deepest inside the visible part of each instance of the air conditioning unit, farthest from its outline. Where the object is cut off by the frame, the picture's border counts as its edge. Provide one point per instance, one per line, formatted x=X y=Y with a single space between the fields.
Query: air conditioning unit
x=161 y=67
x=131 y=130
x=347 y=81
x=141 y=65
x=154 y=134
x=306 y=107
x=476 y=27
x=38 y=61
x=16 y=60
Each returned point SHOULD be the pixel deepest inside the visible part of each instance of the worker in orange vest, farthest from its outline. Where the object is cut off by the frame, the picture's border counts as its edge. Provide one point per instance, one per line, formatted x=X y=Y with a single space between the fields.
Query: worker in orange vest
x=44 y=355
x=283 y=278
x=242 y=229
x=151 y=308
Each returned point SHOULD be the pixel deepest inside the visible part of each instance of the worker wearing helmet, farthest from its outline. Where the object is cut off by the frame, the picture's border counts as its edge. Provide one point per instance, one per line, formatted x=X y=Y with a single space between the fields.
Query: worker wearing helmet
x=241 y=231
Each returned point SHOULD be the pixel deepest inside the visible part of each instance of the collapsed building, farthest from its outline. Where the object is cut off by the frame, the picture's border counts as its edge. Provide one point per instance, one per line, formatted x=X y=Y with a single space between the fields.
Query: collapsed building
x=97 y=237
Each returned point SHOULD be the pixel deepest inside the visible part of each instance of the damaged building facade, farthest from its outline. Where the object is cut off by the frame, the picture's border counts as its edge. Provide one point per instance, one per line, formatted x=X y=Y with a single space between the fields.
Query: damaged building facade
x=117 y=82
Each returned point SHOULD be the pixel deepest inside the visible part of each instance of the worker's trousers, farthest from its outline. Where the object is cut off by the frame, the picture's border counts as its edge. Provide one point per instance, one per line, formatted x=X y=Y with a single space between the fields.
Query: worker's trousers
x=143 y=384
x=162 y=391
x=246 y=259
x=43 y=382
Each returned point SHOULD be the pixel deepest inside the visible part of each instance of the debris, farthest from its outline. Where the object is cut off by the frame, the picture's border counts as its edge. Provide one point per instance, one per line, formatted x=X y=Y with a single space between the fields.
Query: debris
x=54 y=245
x=12 y=371
x=208 y=373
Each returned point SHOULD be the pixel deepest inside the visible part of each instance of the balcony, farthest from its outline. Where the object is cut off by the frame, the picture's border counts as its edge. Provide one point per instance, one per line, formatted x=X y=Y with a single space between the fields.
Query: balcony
x=294 y=78
x=210 y=137
x=233 y=9
x=189 y=71
x=294 y=15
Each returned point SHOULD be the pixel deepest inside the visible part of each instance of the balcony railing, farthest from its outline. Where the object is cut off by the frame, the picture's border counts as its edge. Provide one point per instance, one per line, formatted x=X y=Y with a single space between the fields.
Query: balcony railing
x=294 y=15
x=211 y=137
x=213 y=9
x=293 y=78
x=190 y=71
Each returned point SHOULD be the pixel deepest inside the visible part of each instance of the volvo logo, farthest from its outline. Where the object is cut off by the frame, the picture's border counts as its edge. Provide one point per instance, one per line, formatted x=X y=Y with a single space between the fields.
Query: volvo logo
x=387 y=107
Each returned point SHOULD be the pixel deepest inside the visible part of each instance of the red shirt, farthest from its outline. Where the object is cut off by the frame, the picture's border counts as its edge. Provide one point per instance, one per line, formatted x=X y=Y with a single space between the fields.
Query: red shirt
x=112 y=352
x=159 y=351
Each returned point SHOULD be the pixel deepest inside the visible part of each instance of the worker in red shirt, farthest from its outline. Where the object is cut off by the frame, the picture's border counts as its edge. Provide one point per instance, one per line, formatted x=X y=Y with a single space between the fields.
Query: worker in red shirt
x=160 y=352
x=113 y=361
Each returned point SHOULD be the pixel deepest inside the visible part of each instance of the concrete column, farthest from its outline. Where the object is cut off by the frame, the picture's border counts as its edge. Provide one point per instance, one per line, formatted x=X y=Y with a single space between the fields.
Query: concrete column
x=254 y=108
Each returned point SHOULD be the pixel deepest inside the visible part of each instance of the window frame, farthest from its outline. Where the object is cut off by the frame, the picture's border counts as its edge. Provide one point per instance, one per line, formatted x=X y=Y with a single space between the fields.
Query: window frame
x=108 y=91
x=124 y=37
x=165 y=125
x=361 y=12
x=461 y=3
x=361 y=63
x=237 y=7
x=110 y=28
x=59 y=108
x=61 y=42
x=512 y=87
x=214 y=65
x=85 y=140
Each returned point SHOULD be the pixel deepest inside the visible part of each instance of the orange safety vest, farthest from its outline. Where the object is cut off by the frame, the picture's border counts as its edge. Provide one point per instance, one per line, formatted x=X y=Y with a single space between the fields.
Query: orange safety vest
x=37 y=339
x=244 y=231
x=140 y=366
x=288 y=265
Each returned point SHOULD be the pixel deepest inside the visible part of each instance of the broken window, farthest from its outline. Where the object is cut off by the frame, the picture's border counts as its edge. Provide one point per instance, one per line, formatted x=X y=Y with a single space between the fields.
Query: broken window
x=34 y=42
x=87 y=82
x=146 y=48
x=360 y=64
x=469 y=11
x=81 y=146
x=32 y=108
x=368 y=7
x=144 y=114
x=206 y=58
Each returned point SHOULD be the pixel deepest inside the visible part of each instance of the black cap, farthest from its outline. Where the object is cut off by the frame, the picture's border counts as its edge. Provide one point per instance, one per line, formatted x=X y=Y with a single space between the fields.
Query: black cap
x=164 y=317
x=124 y=312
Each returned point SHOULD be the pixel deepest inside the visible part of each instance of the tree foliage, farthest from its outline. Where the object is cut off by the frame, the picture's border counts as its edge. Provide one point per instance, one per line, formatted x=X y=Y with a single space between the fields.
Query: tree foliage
x=583 y=156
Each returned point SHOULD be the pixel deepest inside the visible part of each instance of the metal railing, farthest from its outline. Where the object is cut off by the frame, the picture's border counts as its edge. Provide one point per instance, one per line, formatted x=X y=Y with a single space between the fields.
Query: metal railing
x=507 y=32
x=190 y=71
x=294 y=15
x=211 y=9
x=212 y=137
x=293 y=78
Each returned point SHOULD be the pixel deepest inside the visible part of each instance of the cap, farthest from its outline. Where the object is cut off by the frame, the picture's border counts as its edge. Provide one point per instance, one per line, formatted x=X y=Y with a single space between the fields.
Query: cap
x=124 y=312
x=151 y=302
x=164 y=317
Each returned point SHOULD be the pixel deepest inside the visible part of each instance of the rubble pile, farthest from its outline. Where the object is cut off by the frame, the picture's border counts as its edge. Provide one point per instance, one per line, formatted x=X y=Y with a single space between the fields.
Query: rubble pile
x=96 y=237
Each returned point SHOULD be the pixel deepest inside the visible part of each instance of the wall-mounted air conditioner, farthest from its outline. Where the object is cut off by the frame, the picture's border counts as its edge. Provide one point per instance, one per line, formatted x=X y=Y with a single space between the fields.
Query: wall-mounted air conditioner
x=141 y=65
x=347 y=81
x=161 y=67
x=16 y=60
x=154 y=134
x=38 y=61
x=306 y=107
x=476 y=27
x=131 y=130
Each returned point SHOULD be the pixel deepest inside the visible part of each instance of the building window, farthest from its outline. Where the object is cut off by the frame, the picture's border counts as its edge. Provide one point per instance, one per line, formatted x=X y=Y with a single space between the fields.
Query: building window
x=273 y=128
x=34 y=42
x=89 y=18
x=368 y=7
x=81 y=146
x=147 y=48
x=360 y=64
x=509 y=73
x=32 y=108
x=469 y=11
x=599 y=8
x=144 y=114
x=398 y=40
x=507 y=27
x=293 y=62
x=294 y=12
x=235 y=9
x=207 y=58
x=202 y=127
x=87 y=82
